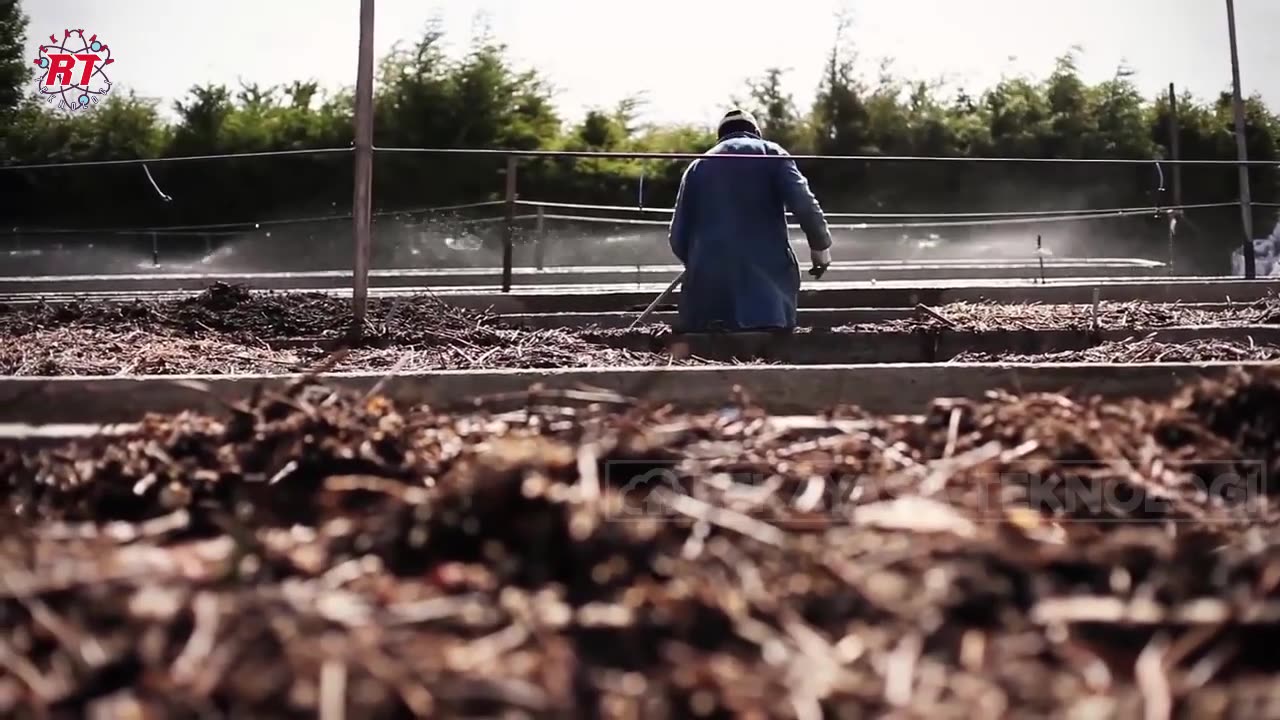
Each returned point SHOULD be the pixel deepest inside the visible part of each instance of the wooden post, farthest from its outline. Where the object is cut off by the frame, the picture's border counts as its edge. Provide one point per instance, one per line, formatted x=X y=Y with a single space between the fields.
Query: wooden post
x=1242 y=148
x=508 y=232
x=1097 y=295
x=539 y=235
x=1040 y=254
x=1175 y=149
x=1175 y=145
x=362 y=203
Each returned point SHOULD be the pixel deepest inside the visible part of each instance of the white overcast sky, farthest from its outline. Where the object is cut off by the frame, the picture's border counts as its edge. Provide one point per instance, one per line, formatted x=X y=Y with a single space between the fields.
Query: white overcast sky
x=688 y=56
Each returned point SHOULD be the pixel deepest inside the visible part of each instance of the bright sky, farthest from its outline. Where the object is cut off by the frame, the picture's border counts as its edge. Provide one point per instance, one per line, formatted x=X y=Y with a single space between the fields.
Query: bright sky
x=688 y=56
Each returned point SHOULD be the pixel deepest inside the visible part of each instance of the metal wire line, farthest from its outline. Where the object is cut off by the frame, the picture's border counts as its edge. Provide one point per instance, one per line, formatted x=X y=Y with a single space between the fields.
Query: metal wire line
x=183 y=158
x=993 y=214
x=245 y=225
x=966 y=219
x=601 y=154
x=618 y=155
x=1039 y=220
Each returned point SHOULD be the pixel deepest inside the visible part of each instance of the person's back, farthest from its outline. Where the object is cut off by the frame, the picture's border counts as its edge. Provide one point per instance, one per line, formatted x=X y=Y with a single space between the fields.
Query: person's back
x=730 y=231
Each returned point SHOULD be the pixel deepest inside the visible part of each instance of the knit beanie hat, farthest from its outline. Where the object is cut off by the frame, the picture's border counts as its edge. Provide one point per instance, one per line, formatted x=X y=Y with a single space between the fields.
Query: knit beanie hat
x=738 y=121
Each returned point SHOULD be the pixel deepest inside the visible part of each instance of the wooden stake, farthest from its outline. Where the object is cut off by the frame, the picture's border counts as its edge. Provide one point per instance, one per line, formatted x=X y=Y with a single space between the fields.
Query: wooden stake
x=362 y=202
x=1040 y=254
x=539 y=237
x=1242 y=148
x=1175 y=145
x=1094 y=315
x=1175 y=149
x=508 y=232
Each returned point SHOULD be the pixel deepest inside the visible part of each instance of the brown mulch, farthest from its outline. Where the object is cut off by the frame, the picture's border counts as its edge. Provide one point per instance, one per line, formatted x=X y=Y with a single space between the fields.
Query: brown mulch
x=226 y=329
x=96 y=351
x=582 y=555
x=1132 y=315
x=234 y=310
x=1143 y=350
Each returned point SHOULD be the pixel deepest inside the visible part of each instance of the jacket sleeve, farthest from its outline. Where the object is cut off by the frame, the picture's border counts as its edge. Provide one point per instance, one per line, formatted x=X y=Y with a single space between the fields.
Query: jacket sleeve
x=801 y=203
x=681 y=229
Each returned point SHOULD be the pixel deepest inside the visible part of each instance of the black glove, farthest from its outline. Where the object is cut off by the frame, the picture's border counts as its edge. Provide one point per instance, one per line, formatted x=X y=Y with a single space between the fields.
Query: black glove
x=821 y=261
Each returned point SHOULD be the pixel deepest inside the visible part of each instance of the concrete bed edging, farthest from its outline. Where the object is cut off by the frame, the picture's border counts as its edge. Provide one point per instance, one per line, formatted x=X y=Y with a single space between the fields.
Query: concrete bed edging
x=921 y=345
x=810 y=318
x=592 y=275
x=890 y=389
x=814 y=294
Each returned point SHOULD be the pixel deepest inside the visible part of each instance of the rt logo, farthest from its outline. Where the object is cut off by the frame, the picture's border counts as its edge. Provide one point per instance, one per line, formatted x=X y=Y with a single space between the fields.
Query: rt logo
x=73 y=72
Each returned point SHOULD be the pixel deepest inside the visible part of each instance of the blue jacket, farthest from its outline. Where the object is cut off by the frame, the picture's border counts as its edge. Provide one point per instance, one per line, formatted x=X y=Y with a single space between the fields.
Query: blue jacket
x=730 y=231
